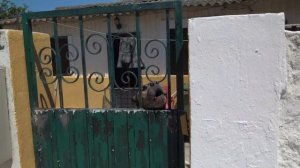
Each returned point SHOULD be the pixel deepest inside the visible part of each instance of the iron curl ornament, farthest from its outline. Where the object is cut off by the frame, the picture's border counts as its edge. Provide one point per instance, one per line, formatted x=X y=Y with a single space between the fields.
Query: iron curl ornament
x=126 y=80
x=93 y=45
x=73 y=72
x=97 y=78
x=45 y=57
x=152 y=51
x=71 y=55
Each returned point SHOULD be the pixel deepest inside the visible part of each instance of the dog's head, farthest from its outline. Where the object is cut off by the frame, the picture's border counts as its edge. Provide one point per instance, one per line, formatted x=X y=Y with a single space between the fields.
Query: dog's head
x=153 y=97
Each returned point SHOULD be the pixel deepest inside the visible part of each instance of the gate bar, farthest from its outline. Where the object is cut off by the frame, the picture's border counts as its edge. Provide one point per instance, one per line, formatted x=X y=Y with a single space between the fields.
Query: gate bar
x=168 y=61
x=111 y=62
x=138 y=44
x=86 y=98
x=179 y=80
x=58 y=63
x=31 y=76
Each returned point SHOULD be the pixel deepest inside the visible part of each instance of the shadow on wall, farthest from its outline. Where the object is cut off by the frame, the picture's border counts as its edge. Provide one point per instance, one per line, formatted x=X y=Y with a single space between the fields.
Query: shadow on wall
x=5 y=139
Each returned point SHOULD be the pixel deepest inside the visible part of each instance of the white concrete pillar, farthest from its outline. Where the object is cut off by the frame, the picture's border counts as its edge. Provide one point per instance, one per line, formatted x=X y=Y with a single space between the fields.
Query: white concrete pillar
x=289 y=129
x=237 y=74
x=5 y=64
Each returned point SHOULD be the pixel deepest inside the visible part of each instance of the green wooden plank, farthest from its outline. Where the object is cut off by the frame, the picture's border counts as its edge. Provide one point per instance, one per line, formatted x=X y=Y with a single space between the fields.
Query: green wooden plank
x=62 y=122
x=80 y=139
x=55 y=160
x=173 y=139
x=138 y=139
x=110 y=138
x=121 y=139
x=98 y=140
x=158 y=137
x=42 y=138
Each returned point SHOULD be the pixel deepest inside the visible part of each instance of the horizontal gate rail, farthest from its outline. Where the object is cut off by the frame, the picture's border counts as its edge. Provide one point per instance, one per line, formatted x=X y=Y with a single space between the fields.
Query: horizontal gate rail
x=102 y=10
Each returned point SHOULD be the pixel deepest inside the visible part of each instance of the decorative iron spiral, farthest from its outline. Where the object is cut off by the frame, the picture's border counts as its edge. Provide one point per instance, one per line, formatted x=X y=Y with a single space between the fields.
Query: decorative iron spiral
x=71 y=56
x=155 y=71
x=47 y=73
x=125 y=79
x=74 y=72
x=45 y=57
x=96 y=46
x=99 y=80
x=153 y=52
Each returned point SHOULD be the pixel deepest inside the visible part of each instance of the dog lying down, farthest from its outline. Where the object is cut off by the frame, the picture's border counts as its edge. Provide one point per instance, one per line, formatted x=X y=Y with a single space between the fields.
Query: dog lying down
x=153 y=97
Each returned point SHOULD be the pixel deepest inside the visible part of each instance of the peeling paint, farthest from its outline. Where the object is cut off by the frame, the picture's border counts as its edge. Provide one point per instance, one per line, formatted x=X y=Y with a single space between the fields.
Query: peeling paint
x=64 y=119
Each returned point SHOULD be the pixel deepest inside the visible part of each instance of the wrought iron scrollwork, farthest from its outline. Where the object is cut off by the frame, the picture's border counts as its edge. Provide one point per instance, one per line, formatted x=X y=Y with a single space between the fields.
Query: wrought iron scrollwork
x=98 y=79
x=71 y=55
x=125 y=78
x=74 y=72
x=47 y=73
x=153 y=52
x=45 y=58
x=154 y=69
x=94 y=47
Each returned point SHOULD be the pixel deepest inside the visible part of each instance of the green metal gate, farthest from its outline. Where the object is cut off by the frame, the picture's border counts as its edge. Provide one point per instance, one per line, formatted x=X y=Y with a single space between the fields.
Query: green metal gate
x=118 y=136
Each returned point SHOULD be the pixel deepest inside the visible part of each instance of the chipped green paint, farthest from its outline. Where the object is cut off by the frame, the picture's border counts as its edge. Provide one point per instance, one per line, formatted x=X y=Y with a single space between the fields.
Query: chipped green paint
x=99 y=138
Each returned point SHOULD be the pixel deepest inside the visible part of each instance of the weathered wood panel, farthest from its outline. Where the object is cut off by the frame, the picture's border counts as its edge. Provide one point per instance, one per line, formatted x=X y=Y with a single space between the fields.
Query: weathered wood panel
x=62 y=143
x=98 y=138
x=42 y=132
x=138 y=131
x=158 y=122
x=98 y=141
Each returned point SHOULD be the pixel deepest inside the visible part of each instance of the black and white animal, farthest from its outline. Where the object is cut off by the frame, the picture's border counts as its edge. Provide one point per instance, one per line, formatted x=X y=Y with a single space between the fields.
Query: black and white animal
x=153 y=97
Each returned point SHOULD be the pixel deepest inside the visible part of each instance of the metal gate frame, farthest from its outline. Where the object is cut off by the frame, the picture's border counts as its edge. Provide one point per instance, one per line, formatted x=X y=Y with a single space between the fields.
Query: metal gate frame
x=177 y=160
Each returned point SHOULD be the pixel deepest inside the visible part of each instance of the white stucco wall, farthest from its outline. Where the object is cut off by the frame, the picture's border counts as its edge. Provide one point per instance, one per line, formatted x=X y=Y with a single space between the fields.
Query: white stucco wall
x=237 y=74
x=5 y=63
x=289 y=137
x=5 y=138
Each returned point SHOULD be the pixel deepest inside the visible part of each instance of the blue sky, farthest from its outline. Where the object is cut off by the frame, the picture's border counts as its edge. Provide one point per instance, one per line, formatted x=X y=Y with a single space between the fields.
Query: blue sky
x=42 y=5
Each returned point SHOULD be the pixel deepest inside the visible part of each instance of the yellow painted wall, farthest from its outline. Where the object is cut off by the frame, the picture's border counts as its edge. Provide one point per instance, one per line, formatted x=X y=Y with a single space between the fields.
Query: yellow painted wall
x=21 y=96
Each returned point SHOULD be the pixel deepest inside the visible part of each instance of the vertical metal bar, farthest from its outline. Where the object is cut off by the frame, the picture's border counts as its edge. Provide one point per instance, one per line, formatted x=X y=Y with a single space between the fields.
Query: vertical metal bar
x=111 y=62
x=168 y=61
x=179 y=80
x=138 y=40
x=86 y=98
x=31 y=74
x=58 y=63
x=86 y=101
